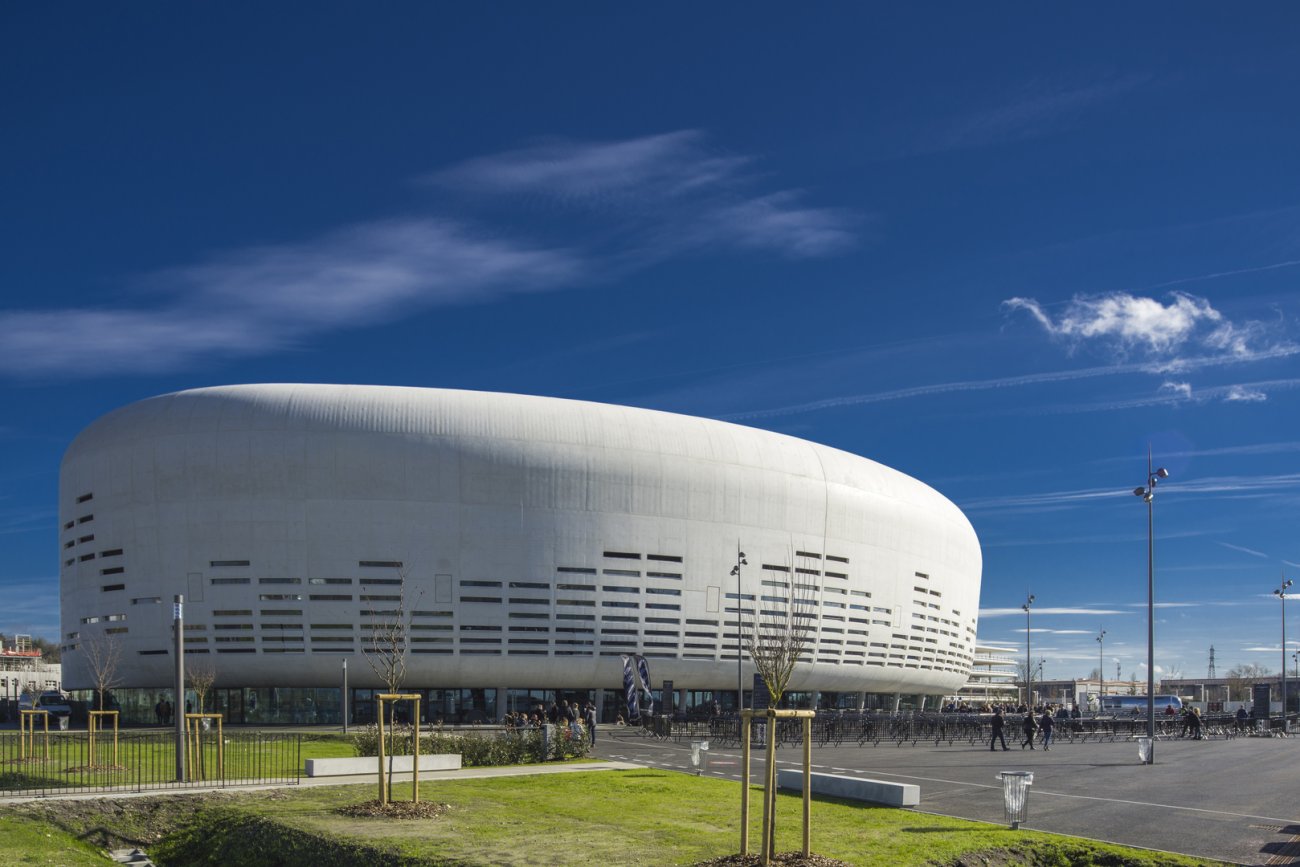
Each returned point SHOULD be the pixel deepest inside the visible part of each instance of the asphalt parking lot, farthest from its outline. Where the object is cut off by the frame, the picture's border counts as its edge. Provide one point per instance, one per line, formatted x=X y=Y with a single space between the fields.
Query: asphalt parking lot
x=1234 y=800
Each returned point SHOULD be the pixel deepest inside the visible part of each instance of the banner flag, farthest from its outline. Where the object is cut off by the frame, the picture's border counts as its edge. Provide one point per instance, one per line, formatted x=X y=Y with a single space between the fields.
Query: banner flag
x=643 y=672
x=629 y=688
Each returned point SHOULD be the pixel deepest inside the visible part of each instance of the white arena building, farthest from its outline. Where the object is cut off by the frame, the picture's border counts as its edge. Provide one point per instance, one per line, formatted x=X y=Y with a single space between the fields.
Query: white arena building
x=532 y=540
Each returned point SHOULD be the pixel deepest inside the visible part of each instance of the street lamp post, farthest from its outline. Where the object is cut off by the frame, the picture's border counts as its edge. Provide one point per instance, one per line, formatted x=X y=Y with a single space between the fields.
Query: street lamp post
x=1101 y=669
x=1281 y=595
x=740 y=677
x=343 y=704
x=1148 y=495
x=1029 y=662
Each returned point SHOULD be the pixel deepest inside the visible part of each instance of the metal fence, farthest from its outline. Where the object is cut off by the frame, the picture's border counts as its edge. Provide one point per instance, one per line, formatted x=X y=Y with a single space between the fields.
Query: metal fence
x=65 y=762
x=938 y=729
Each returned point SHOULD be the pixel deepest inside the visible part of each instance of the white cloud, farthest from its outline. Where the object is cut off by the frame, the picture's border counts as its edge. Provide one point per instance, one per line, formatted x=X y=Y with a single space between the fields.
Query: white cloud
x=595 y=174
x=659 y=196
x=1178 y=389
x=670 y=192
x=1007 y=612
x=1249 y=551
x=1244 y=393
x=1129 y=321
x=265 y=298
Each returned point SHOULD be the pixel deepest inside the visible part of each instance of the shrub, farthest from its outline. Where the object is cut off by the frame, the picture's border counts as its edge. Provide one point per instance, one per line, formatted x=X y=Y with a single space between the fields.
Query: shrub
x=508 y=747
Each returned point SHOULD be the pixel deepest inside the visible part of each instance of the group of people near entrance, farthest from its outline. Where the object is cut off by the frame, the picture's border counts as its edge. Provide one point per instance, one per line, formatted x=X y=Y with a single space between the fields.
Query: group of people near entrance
x=1032 y=725
x=579 y=719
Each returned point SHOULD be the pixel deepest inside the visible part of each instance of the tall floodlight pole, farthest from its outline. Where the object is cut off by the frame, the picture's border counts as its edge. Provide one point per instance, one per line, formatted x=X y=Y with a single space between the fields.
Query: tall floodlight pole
x=1029 y=663
x=740 y=677
x=1281 y=595
x=178 y=623
x=1101 y=669
x=1148 y=495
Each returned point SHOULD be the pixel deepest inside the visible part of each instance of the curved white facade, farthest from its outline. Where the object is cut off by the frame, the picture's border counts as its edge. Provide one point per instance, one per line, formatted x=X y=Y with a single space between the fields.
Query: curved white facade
x=538 y=539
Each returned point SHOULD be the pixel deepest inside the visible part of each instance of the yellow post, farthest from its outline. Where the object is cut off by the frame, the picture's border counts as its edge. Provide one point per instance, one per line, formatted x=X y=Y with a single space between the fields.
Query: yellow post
x=27 y=734
x=769 y=791
x=94 y=725
x=415 y=775
x=383 y=792
x=745 y=717
x=807 y=785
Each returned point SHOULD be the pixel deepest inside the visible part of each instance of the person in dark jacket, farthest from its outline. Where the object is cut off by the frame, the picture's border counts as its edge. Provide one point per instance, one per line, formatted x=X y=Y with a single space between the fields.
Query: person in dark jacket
x=998 y=724
x=1046 y=723
x=1030 y=728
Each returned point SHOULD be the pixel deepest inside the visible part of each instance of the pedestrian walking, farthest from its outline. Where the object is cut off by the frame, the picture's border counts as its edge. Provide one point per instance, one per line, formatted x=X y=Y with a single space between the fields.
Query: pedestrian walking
x=1046 y=723
x=999 y=722
x=1030 y=728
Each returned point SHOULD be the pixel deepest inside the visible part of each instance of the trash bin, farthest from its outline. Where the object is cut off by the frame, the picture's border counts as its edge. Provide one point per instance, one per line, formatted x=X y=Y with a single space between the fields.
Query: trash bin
x=1015 y=795
x=699 y=756
x=1144 y=749
x=63 y=722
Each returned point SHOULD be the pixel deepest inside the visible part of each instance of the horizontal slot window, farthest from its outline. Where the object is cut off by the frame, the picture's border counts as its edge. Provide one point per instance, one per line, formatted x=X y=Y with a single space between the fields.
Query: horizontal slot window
x=219 y=564
x=380 y=564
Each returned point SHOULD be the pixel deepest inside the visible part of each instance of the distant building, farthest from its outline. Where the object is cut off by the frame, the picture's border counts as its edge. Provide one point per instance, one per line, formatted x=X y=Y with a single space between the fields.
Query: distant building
x=992 y=677
x=531 y=541
x=23 y=669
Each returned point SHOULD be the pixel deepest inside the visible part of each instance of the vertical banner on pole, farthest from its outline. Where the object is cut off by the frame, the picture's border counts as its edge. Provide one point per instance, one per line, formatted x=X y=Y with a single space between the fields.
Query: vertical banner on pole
x=643 y=673
x=629 y=689
x=669 y=701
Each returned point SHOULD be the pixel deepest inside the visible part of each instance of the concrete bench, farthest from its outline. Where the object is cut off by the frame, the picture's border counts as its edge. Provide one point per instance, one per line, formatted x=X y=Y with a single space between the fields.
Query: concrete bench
x=853 y=788
x=370 y=765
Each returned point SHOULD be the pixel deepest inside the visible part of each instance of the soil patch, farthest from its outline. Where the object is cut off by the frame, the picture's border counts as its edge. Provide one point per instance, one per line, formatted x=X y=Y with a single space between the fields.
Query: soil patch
x=394 y=810
x=784 y=859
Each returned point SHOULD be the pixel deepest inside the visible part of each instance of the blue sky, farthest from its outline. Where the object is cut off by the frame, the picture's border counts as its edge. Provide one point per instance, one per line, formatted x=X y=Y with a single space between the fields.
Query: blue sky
x=1001 y=248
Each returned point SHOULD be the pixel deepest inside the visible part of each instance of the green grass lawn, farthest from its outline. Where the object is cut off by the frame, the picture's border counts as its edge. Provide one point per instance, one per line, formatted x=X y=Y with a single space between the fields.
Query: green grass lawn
x=638 y=817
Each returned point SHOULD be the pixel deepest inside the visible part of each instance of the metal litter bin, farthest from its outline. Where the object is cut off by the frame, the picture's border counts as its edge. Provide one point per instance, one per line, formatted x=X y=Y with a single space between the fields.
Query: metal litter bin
x=1015 y=795
x=1144 y=749
x=700 y=756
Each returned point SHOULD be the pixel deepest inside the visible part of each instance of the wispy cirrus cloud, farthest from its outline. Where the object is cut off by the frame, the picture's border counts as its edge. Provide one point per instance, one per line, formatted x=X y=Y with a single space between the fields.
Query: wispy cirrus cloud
x=1254 y=485
x=1045 y=378
x=1036 y=109
x=1174 y=394
x=262 y=299
x=670 y=191
x=1009 y=612
x=668 y=195
x=1249 y=551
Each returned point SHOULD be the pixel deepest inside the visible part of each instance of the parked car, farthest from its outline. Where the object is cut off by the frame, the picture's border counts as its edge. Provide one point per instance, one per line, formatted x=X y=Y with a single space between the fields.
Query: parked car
x=51 y=700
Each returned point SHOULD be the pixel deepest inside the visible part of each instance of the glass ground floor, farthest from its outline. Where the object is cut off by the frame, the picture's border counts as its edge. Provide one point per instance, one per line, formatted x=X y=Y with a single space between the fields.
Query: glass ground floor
x=290 y=705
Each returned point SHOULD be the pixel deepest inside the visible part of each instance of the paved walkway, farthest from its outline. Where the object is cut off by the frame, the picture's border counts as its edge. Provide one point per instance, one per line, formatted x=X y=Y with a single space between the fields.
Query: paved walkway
x=1236 y=800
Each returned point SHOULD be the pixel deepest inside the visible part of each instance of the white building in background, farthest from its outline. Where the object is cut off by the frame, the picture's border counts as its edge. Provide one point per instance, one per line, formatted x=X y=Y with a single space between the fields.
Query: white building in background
x=993 y=676
x=23 y=669
x=534 y=540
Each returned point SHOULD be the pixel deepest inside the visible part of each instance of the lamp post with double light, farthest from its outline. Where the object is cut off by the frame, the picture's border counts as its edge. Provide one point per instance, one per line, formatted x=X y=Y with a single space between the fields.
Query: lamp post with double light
x=740 y=677
x=1281 y=595
x=1029 y=662
x=1148 y=495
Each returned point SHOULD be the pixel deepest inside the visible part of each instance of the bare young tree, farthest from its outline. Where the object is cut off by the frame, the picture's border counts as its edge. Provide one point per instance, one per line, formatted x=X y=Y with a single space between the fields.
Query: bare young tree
x=781 y=637
x=386 y=650
x=103 y=655
x=1242 y=678
x=200 y=675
